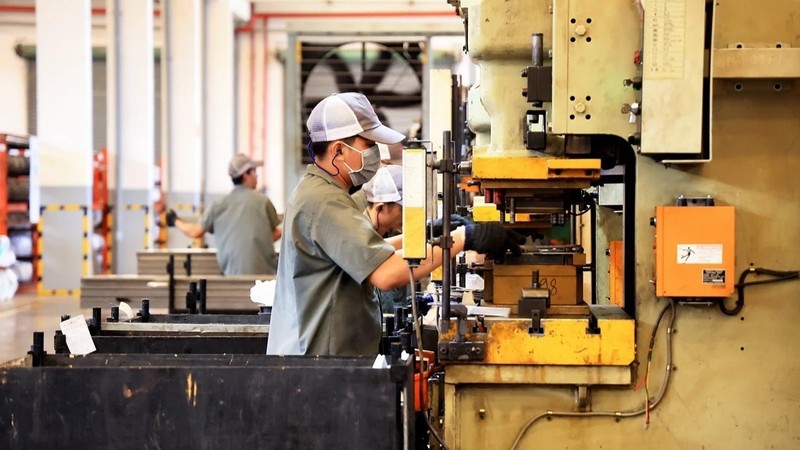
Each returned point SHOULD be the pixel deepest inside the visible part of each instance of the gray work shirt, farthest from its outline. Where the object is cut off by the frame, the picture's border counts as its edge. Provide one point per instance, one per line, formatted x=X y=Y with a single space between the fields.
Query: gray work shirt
x=242 y=223
x=323 y=305
x=360 y=197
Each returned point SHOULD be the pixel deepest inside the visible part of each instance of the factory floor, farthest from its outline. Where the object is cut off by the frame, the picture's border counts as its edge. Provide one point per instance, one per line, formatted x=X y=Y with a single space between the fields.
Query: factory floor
x=27 y=312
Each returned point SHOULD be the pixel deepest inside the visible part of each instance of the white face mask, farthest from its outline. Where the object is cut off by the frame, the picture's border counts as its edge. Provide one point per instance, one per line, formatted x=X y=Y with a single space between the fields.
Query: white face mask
x=370 y=163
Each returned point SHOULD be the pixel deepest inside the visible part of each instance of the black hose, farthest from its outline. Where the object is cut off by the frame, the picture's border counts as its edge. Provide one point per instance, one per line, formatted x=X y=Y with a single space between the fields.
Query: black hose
x=779 y=275
x=668 y=307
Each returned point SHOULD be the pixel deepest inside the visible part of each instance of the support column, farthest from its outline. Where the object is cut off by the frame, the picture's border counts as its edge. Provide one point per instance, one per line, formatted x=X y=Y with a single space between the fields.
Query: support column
x=182 y=66
x=219 y=89
x=131 y=126
x=64 y=109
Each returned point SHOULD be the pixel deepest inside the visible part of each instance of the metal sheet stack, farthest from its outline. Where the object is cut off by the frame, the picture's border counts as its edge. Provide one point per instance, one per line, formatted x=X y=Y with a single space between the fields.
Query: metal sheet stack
x=229 y=293
x=189 y=261
x=109 y=290
x=223 y=293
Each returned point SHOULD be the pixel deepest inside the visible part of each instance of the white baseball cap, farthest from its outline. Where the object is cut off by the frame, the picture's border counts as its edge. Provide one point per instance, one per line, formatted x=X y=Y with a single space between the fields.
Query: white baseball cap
x=348 y=114
x=386 y=186
x=241 y=163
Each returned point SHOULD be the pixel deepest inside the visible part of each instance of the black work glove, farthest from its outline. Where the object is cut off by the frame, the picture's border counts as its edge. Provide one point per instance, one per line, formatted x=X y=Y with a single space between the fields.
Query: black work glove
x=492 y=240
x=172 y=216
x=435 y=228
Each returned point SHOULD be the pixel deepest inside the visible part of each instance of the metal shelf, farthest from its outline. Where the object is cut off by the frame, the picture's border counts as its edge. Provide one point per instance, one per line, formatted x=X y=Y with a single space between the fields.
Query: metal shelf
x=13 y=167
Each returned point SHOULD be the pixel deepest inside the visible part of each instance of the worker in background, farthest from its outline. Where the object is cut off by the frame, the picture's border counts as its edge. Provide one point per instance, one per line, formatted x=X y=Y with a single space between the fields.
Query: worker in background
x=244 y=224
x=383 y=195
x=384 y=198
x=331 y=255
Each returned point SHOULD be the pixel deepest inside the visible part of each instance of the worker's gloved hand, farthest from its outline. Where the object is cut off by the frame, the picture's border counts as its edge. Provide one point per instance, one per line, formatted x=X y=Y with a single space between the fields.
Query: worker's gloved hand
x=172 y=216
x=435 y=228
x=493 y=240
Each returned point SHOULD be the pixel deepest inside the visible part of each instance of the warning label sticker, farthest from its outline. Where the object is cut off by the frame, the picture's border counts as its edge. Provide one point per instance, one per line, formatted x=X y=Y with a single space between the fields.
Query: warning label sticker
x=714 y=276
x=699 y=253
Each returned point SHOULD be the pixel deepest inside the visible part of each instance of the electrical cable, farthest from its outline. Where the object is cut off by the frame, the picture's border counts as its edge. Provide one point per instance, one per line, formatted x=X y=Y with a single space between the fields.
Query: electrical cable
x=584 y=211
x=671 y=305
x=314 y=160
x=778 y=275
x=619 y=414
x=579 y=213
x=418 y=332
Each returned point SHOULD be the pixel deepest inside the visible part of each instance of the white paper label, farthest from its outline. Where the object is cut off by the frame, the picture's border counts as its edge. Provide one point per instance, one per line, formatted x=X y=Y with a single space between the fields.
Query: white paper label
x=664 y=45
x=79 y=341
x=699 y=254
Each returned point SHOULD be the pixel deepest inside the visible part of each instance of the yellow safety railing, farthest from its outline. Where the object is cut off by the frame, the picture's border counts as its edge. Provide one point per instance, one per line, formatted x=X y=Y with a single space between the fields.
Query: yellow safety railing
x=85 y=246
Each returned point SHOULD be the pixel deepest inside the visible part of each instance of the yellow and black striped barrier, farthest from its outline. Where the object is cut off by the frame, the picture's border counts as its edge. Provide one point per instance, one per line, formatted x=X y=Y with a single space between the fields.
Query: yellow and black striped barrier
x=184 y=207
x=146 y=210
x=85 y=247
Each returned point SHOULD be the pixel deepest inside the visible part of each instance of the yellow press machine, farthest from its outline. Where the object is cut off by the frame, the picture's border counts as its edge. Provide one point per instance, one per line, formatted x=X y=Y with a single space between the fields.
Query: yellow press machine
x=665 y=98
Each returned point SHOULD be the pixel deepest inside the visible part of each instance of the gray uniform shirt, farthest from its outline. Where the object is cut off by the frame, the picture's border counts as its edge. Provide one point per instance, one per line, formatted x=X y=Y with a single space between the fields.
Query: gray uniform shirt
x=242 y=223
x=323 y=306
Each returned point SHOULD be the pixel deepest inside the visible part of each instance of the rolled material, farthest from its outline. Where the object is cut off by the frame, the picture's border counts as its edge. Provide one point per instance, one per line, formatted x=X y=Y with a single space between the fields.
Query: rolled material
x=18 y=189
x=18 y=165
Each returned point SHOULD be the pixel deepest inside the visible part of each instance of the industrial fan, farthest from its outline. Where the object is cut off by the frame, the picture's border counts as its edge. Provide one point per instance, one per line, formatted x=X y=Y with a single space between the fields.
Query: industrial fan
x=388 y=73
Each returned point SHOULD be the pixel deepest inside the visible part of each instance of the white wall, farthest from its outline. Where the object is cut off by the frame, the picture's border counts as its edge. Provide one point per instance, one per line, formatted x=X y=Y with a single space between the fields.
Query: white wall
x=13 y=84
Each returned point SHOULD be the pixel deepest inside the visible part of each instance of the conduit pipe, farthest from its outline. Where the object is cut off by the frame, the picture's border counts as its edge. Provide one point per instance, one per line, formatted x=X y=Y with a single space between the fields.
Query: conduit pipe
x=27 y=9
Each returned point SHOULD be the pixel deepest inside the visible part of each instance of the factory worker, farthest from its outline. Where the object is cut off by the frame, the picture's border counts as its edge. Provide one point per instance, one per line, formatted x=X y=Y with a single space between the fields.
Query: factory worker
x=384 y=198
x=244 y=223
x=331 y=255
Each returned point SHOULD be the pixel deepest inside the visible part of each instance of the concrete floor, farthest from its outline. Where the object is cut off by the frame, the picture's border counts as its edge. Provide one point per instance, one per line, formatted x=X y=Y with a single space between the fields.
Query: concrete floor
x=26 y=313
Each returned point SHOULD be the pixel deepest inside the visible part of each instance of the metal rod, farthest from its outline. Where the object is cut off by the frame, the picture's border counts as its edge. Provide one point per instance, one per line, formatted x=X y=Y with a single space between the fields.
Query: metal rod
x=457 y=128
x=593 y=243
x=191 y=298
x=37 y=349
x=537 y=59
x=629 y=232
x=97 y=317
x=462 y=275
x=201 y=297
x=573 y=224
x=145 y=311
x=447 y=181
x=456 y=124
x=171 y=284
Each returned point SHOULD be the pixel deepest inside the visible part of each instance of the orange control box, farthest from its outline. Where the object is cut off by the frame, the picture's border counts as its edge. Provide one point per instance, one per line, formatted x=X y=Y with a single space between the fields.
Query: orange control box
x=694 y=251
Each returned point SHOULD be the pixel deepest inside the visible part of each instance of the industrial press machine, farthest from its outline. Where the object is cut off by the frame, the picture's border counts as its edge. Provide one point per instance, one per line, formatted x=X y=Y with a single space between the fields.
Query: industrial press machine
x=627 y=123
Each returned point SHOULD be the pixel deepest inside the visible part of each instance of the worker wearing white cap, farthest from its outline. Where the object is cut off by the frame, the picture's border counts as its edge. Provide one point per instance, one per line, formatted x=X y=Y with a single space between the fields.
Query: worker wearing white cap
x=331 y=255
x=384 y=196
x=244 y=223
